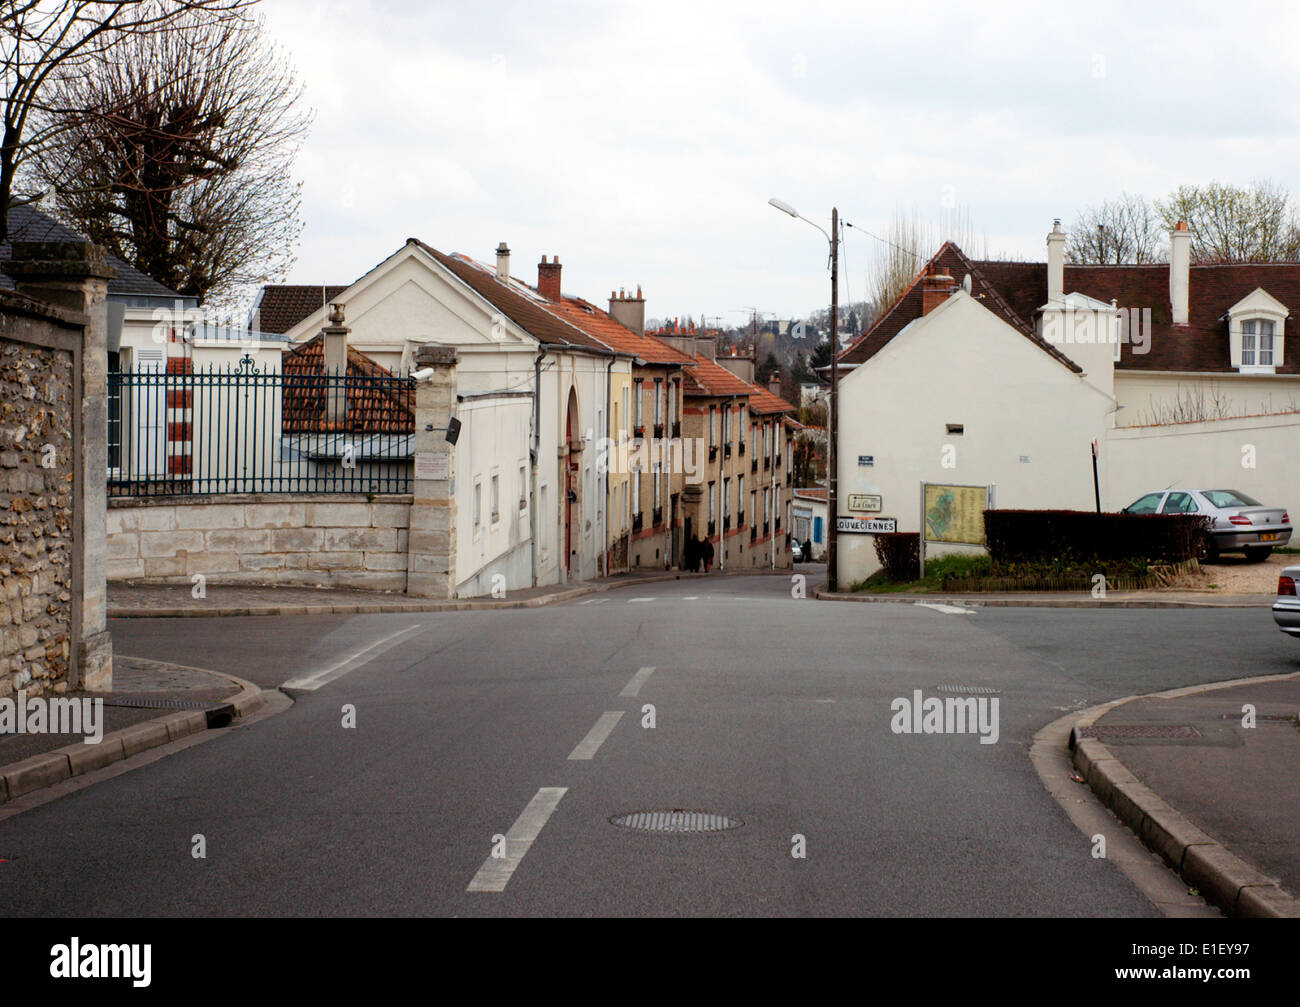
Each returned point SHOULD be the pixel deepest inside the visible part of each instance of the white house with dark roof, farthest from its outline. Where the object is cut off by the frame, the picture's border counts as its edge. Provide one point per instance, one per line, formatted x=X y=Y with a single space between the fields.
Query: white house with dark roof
x=1003 y=374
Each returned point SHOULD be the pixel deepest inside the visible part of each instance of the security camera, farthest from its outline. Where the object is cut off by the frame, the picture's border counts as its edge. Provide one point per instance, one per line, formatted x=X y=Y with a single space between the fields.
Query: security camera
x=423 y=374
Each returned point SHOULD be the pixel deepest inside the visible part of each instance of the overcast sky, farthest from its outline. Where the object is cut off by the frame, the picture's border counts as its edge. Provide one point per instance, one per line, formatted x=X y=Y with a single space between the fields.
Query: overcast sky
x=640 y=142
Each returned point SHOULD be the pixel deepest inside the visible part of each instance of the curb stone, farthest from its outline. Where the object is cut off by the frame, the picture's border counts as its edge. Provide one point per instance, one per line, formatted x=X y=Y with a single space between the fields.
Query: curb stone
x=40 y=771
x=1219 y=875
x=972 y=601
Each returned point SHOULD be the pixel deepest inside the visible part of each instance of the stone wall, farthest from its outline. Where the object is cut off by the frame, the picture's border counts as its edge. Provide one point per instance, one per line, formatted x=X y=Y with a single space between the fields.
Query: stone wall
x=304 y=540
x=36 y=517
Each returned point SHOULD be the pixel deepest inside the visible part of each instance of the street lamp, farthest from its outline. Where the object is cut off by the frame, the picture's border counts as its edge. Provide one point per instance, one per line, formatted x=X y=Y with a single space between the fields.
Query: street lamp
x=832 y=423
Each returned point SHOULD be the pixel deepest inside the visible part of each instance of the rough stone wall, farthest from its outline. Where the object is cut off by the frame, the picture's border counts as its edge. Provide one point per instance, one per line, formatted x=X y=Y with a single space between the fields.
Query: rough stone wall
x=294 y=540
x=36 y=518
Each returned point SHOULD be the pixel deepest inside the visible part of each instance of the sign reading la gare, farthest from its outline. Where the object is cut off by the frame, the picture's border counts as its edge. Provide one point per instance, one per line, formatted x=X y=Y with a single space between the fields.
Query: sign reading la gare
x=865 y=526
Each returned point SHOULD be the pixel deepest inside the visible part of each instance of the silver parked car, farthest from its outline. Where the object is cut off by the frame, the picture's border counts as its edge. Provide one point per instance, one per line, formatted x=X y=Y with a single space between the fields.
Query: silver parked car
x=1240 y=523
x=1286 y=610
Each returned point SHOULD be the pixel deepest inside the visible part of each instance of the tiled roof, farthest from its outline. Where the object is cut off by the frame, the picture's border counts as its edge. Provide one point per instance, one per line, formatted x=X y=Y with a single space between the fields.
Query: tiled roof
x=284 y=305
x=1016 y=290
x=520 y=303
x=812 y=493
x=908 y=308
x=26 y=223
x=374 y=407
x=706 y=378
x=613 y=334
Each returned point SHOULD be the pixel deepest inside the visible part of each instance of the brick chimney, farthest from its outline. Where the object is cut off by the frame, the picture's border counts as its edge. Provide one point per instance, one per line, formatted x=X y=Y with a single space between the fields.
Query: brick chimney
x=935 y=288
x=628 y=310
x=1180 y=258
x=548 y=278
x=503 y=261
x=774 y=384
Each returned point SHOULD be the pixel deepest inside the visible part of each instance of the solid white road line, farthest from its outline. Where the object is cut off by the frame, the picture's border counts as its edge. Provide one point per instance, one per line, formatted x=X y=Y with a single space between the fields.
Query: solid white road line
x=313 y=681
x=495 y=873
x=691 y=597
x=638 y=680
x=949 y=609
x=597 y=735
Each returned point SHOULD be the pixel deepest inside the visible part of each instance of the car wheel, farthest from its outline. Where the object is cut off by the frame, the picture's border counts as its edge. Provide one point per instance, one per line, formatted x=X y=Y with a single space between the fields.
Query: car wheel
x=1258 y=555
x=1207 y=550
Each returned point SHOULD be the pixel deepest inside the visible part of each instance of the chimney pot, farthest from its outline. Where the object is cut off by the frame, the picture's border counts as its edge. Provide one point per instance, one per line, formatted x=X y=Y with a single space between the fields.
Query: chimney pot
x=1180 y=258
x=1056 y=263
x=503 y=261
x=548 y=278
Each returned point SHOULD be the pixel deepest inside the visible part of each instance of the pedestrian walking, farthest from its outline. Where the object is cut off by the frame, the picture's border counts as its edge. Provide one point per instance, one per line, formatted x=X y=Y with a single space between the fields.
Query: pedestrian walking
x=708 y=555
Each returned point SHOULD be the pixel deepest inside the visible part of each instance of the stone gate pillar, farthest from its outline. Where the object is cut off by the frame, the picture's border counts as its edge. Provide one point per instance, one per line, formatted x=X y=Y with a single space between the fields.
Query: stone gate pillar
x=431 y=552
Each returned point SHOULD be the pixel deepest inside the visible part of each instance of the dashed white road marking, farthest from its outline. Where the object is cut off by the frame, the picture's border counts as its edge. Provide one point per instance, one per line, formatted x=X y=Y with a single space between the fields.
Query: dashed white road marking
x=638 y=680
x=594 y=601
x=495 y=873
x=949 y=609
x=313 y=681
x=597 y=735
x=691 y=597
x=633 y=601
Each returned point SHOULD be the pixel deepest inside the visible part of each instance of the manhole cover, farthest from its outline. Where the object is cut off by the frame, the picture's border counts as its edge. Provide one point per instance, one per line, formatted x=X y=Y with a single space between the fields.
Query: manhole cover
x=1141 y=731
x=676 y=821
x=968 y=690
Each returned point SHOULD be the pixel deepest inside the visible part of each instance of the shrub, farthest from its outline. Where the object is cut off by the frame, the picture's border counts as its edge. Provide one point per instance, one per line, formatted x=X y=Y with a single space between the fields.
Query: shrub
x=900 y=554
x=1048 y=535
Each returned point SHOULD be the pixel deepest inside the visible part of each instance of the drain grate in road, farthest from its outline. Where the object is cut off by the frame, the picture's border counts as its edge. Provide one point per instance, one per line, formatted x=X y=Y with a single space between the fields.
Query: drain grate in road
x=968 y=690
x=676 y=821
x=151 y=703
x=1141 y=731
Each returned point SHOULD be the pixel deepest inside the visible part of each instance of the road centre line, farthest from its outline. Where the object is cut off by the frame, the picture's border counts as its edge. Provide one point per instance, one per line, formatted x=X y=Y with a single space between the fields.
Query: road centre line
x=587 y=747
x=495 y=873
x=313 y=681
x=638 y=680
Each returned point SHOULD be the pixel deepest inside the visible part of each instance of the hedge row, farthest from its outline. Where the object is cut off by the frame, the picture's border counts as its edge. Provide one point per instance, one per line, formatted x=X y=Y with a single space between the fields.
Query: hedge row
x=1017 y=535
x=900 y=554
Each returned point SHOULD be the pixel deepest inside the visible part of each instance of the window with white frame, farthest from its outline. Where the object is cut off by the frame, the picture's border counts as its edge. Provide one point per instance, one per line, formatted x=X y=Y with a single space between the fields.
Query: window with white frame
x=659 y=401
x=636 y=491
x=713 y=502
x=740 y=492
x=495 y=497
x=623 y=414
x=636 y=419
x=523 y=488
x=478 y=507
x=713 y=426
x=726 y=424
x=1257 y=342
x=726 y=498
x=655 y=489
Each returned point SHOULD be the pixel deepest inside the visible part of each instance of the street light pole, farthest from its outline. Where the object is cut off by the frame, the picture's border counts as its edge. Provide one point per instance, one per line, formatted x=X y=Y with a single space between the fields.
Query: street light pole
x=832 y=473
x=832 y=419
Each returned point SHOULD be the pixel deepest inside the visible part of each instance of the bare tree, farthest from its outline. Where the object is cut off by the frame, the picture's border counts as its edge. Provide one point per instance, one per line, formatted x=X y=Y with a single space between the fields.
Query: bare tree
x=42 y=41
x=1230 y=223
x=182 y=162
x=908 y=243
x=1116 y=232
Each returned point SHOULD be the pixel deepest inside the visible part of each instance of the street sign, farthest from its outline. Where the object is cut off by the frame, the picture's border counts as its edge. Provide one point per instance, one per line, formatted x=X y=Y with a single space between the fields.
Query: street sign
x=869 y=502
x=866 y=526
x=866 y=459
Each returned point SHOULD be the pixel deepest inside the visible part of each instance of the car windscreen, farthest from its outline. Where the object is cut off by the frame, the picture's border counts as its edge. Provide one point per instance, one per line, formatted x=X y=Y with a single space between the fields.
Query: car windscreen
x=1229 y=498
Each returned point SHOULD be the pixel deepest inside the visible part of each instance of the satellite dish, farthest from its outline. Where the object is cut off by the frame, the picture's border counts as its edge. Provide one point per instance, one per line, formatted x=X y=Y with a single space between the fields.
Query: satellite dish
x=965 y=283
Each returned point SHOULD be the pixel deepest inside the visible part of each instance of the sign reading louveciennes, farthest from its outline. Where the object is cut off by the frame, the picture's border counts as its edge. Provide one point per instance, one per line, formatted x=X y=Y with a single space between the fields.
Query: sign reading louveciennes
x=432 y=465
x=866 y=526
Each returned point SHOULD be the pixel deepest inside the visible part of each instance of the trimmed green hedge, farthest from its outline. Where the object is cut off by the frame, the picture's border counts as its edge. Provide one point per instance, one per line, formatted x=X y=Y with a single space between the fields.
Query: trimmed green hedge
x=1033 y=535
x=900 y=554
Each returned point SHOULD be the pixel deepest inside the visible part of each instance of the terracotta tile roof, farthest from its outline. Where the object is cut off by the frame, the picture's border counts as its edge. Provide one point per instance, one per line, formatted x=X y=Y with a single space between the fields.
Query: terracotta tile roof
x=706 y=379
x=374 y=406
x=284 y=305
x=812 y=493
x=618 y=337
x=519 y=302
x=908 y=308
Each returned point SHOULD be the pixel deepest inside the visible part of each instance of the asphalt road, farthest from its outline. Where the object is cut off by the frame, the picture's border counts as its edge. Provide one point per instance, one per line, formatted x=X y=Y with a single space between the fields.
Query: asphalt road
x=770 y=710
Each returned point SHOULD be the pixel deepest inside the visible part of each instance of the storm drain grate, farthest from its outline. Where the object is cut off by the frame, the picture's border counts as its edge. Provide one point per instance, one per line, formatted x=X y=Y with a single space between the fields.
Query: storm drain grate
x=1141 y=731
x=968 y=690
x=676 y=821
x=150 y=703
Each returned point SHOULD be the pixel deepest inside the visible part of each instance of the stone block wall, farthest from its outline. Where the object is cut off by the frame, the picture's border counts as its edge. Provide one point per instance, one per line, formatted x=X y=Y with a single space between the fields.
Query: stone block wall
x=302 y=540
x=36 y=517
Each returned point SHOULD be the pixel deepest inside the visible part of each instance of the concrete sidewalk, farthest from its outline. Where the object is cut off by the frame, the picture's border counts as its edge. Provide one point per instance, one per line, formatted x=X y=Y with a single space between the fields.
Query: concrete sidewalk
x=153 y=703
x=1060 y=599
x=1217 y=798
x=139 y=601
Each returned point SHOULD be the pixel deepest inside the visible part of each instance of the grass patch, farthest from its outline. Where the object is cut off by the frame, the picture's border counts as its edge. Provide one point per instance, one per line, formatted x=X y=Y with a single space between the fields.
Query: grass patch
x=936 y=571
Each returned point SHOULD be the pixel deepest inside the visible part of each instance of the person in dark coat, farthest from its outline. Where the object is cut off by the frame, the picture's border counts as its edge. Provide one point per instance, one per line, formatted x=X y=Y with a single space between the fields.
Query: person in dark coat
x=691 y=555
x=708 y=555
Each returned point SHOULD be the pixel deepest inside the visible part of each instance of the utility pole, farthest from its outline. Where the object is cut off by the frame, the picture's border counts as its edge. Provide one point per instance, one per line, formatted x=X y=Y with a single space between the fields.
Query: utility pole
x=832 y=475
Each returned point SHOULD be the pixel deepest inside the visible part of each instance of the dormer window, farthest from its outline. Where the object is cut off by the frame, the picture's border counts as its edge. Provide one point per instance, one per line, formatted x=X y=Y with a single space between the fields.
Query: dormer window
x=1256 y=328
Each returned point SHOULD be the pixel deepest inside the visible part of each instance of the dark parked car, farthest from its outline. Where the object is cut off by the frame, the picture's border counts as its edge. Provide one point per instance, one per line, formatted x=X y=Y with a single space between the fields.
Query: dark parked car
x=1239 y=523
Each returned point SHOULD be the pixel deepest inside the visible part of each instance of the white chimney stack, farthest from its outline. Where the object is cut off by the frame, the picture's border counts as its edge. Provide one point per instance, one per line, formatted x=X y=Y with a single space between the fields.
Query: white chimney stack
x=1180 y=260
x=503 y=261
x=1055 y=263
